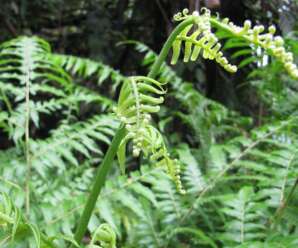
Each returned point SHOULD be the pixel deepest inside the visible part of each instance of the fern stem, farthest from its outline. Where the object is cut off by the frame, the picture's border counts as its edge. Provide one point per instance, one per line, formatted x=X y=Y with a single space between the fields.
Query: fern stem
x=27 y=150
x=99 y=181
x=27 y=77
x=167 y=46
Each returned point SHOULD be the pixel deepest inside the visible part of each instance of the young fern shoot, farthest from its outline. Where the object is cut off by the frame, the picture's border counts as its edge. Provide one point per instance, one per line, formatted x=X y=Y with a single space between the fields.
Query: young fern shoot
x=139 y=98
x=203 y=40
x=105 y=235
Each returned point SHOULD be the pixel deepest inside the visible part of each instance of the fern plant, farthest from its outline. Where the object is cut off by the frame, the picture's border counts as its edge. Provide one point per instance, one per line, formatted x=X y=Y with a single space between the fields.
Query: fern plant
x=27 y=76
x=204 y=22
x=29 y=70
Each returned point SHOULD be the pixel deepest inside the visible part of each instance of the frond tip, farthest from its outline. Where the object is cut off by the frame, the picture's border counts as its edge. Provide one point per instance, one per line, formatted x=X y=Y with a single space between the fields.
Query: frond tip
x=139 y=98
x=105 y=235
x=198 y=37
x=273 y=45
x=200 y=40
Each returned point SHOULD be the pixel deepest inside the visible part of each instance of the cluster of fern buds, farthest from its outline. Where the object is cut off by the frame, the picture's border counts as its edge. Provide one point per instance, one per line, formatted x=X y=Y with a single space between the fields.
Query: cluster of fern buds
x=274 y=45
x=138 y=134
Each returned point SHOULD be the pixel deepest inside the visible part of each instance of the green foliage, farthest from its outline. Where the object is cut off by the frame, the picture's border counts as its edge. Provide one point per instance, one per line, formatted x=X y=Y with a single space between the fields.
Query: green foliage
x=244 y=36
x=87 y=68
x=240 y=179
x=37 y=91
x=15 y=228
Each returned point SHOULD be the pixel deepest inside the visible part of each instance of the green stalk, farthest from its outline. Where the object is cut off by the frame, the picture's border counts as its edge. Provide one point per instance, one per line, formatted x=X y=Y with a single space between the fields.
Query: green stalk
x=106 y=164
x=100 y=179
x=167 y=46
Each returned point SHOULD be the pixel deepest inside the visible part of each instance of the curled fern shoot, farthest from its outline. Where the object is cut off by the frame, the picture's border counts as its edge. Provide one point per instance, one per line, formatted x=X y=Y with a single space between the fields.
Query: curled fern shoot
x=139 y=98
x=105 y=235
x=201 y=39
x=271 y=44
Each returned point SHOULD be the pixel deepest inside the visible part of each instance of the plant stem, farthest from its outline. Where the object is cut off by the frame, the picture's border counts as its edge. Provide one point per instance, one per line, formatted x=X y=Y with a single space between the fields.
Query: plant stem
x=167 y=46
x=27 y=63
x=100 y=179
x=109 y=156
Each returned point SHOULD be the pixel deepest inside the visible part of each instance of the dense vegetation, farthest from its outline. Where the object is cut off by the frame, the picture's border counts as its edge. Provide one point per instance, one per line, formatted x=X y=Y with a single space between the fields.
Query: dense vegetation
x=190 y=171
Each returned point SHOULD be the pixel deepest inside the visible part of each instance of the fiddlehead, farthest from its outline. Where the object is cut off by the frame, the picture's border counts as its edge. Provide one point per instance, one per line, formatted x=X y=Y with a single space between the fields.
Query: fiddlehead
x=256 y=36
x=203 y=40
x=139 y=98
x=200 y=40
x=105 y=235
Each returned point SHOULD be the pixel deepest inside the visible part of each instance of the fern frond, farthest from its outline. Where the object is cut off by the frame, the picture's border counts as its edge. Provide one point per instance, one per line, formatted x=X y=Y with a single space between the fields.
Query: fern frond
x=193 y=176
x=137 y=101
x=16 y=118
x=61 y=148
x=245 y=224
x=64 y=141
x=147 y=233
x=273 y=45
x=201 y=40
x=279 y=167
x=24 y=71
x=24 y=56
x=87 y=68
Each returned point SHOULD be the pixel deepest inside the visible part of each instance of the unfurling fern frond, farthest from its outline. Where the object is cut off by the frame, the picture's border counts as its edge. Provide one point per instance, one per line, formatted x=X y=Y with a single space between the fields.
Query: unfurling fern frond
x=202 y=39
x=137 y=101
x=273 y=45
x=105 y=235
